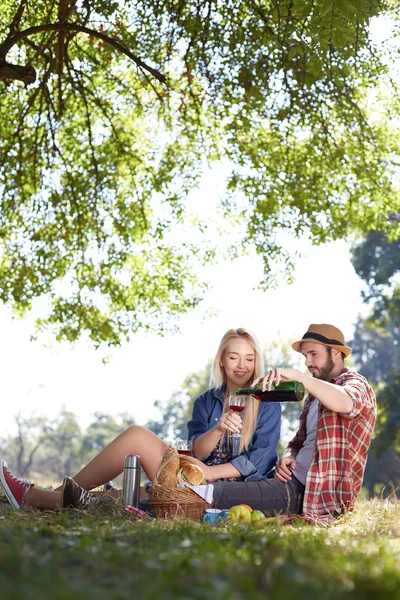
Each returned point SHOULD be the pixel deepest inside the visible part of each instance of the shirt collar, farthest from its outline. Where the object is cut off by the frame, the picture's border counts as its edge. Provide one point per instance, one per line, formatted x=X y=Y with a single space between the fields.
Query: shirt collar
x=219 y=392
x=342 y=372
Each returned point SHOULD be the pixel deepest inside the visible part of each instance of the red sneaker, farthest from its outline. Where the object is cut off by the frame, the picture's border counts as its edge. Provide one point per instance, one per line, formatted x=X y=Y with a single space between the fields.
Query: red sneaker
x=14 y=488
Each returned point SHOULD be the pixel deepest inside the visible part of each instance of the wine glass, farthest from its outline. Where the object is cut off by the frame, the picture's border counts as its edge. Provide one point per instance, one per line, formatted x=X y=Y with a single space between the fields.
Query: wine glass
x=237 y=404
x=184 y=447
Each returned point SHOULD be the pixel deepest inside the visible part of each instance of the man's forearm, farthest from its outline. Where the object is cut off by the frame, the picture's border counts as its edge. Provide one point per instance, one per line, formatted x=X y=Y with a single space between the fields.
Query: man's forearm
x=330 y=395
x=206 y=442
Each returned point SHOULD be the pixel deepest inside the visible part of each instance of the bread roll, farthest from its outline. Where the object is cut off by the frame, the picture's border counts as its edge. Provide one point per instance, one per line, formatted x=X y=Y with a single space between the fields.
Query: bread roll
x=169 y=467
x=190 y=474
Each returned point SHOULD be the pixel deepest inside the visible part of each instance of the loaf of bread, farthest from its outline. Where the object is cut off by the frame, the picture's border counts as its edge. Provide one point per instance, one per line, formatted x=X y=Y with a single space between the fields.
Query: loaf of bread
x=167 y=473
x=190 y=474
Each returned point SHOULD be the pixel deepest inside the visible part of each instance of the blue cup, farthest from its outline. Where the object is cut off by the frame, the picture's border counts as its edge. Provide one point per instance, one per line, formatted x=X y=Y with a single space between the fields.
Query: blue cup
x=224 y=514
x=212 y=516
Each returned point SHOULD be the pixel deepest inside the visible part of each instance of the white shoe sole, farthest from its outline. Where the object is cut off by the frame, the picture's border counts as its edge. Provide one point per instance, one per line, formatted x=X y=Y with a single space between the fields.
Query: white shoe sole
x=6 y=489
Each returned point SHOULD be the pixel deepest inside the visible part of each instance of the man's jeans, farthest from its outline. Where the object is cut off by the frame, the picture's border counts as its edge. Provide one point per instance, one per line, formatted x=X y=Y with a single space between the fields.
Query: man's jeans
x=271 y=496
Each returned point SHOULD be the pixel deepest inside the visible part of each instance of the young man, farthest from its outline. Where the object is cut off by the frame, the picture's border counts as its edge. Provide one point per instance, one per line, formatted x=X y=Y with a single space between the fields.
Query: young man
x=321 y=470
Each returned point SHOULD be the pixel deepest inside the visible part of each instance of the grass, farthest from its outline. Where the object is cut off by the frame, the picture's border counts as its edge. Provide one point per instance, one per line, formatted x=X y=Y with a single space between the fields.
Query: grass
x=71 y=554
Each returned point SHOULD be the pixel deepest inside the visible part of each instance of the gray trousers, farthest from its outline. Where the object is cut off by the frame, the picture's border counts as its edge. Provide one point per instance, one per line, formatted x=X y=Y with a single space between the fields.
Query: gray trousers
x=270 y=496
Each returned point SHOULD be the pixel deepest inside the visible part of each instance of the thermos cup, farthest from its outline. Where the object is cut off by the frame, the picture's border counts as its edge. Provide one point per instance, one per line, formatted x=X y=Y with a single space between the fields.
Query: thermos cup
x=131 y=481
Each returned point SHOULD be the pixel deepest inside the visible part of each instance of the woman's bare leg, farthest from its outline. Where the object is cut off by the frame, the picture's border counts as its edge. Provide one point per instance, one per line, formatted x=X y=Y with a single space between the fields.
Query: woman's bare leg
x=51 y=500
x=110 y=462
x=106 y=465
x=43 y=499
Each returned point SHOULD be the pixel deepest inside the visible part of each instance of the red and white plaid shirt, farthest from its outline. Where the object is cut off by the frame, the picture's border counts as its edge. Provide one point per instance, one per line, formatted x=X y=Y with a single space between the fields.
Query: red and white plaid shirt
x=338 y=463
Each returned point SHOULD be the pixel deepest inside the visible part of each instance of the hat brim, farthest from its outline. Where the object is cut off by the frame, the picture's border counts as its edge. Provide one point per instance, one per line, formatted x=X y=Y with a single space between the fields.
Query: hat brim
x=345 y=349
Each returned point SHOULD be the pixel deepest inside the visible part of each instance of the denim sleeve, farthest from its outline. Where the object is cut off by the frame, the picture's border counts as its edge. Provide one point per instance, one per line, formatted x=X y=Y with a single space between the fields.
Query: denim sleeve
x=199 y=423
x=260 y=459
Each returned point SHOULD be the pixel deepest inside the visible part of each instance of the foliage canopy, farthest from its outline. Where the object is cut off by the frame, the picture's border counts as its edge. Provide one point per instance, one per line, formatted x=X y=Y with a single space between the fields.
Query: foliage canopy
x=377 y=337
x=125 y=102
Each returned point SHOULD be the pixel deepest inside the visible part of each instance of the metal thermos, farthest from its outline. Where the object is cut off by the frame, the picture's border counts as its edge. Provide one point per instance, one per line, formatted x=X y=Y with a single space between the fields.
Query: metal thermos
x=131 y=481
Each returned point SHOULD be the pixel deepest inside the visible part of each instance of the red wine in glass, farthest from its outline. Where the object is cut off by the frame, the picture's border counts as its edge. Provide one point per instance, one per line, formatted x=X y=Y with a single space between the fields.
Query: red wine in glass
x=237 y=409
x=184 y=447
x=236 y=404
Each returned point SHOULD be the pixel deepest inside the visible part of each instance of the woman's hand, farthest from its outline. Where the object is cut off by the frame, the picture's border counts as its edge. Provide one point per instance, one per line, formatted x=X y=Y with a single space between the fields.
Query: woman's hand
x=199 y=463
x=203 y=467
x=208 y=472
x=229 y=421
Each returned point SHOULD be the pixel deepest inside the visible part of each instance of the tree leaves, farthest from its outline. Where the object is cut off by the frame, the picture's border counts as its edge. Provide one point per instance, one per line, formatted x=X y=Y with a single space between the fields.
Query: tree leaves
x=377 y=337
x=98 y=155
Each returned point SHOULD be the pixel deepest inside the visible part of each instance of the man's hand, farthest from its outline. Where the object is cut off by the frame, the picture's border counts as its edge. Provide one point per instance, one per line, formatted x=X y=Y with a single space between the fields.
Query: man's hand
x=283 y=466
x=275 y=376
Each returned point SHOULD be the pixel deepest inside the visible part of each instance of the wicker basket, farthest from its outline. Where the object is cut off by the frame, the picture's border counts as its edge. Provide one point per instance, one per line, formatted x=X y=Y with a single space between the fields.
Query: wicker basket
x=174 y=502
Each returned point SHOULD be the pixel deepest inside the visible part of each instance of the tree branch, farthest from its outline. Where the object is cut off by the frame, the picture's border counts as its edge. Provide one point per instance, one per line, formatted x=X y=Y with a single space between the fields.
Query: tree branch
x=64 y=11
x=16 y=20
x=27 y=74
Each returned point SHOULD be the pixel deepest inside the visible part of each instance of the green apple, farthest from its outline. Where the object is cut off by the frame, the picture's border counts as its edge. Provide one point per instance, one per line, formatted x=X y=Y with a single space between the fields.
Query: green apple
x=239 y=514
x=257 y=515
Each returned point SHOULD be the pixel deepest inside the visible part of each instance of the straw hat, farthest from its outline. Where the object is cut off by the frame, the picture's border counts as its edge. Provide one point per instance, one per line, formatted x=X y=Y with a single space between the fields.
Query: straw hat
x=327 y=335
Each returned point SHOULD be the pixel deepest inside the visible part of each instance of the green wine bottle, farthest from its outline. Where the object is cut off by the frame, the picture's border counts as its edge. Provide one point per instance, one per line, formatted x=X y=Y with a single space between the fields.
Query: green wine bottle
x=286 y=391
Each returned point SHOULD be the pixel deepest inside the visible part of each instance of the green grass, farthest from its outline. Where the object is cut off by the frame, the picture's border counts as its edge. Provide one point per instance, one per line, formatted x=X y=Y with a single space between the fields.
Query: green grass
x=75 y=555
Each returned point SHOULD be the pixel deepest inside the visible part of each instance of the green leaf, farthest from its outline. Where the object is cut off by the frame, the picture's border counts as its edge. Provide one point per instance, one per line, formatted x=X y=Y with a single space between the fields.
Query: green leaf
x=100 y=155
x=296 y=51
x=326 y=8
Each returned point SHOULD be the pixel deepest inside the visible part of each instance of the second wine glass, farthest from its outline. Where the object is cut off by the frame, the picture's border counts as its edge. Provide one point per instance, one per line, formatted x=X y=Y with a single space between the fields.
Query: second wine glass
x=184 y=447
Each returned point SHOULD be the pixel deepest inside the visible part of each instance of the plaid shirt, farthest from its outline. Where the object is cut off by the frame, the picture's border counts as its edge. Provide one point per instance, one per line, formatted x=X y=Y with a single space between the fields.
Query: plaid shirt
x=338 y=463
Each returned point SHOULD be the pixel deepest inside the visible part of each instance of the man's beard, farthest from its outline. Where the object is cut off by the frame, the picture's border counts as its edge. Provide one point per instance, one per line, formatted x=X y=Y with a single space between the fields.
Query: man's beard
x=324 y=372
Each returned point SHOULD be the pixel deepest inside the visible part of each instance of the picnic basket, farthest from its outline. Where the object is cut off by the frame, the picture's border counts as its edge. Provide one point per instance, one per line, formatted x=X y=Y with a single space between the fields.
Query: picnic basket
x=171 y=502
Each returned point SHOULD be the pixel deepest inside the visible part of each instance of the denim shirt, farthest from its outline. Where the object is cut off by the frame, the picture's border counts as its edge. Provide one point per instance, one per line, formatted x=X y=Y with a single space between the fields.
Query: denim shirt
x=259 y=460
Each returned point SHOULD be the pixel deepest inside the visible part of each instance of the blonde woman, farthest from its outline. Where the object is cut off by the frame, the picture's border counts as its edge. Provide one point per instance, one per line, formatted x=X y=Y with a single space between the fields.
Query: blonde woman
x=237 y=363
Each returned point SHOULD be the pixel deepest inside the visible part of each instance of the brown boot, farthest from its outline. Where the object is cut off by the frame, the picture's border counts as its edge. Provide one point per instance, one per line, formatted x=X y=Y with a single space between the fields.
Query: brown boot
x=74 y=496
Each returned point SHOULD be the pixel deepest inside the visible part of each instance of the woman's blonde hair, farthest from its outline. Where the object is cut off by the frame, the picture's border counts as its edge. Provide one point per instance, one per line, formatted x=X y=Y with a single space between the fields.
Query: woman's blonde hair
x=218 y=377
